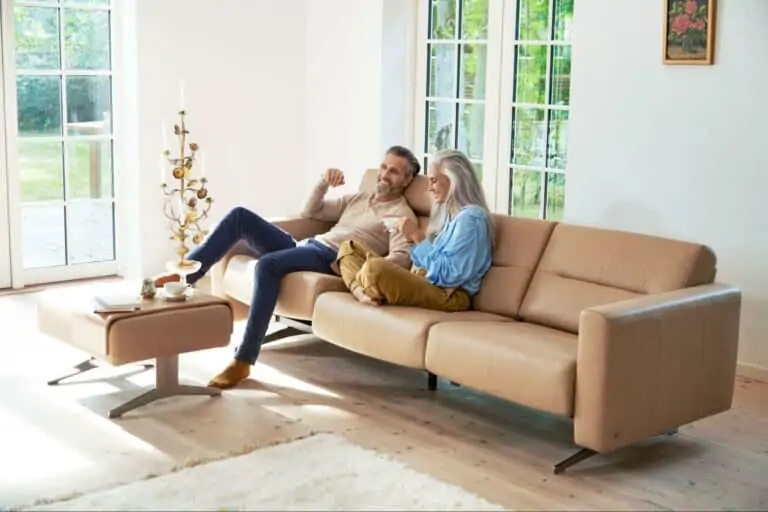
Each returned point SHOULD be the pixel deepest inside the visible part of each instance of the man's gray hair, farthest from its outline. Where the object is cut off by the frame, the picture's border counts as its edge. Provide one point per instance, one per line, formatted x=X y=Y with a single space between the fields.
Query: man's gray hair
x=413 y=163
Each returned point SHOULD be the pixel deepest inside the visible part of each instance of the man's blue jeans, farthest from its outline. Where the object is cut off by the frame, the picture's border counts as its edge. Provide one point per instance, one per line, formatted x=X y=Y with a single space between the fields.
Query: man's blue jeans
x=279 y=254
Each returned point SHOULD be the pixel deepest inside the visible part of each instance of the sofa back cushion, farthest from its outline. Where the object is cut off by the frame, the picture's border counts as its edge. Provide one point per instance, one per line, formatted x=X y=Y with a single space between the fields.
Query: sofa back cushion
x=519 y=245
x=584 y=267
x=415 y=194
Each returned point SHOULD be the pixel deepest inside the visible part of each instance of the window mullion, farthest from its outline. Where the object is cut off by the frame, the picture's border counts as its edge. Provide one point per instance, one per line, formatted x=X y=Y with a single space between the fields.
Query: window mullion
x=64 y=123
x=548 y=95
x=457 y=86
x=505 y=26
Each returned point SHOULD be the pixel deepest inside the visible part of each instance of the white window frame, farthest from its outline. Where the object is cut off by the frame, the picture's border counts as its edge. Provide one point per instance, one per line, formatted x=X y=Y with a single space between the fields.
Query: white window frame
x=501 y=63
x=21 y=277
x=492 y=91
x=5 y=226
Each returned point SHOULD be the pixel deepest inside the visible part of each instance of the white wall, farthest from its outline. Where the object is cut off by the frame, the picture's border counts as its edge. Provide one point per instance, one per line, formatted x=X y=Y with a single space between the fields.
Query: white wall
x=676 y=151
x=359 y=80
x=243 y=65
x=277 y=91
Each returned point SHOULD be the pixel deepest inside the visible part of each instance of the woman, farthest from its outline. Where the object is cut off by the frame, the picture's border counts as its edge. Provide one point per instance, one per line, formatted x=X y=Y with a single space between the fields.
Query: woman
x=449 y=260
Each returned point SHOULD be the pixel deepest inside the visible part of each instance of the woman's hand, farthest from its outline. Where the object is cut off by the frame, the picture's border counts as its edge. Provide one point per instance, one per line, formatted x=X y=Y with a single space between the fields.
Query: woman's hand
x=410 y=230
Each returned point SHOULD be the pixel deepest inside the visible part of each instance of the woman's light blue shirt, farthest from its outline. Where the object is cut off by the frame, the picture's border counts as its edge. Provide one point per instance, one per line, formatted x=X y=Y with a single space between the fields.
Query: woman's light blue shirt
x=460 y=255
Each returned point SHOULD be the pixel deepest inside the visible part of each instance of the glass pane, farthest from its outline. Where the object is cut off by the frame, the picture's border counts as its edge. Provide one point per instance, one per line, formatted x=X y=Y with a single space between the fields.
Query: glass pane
x=442 y=19
x=474 y=23
x=89 y=169
x=86 y=39
x=91 y=2
x=529 y=136
x=42 y=235
x=526 y=194
x=41 y=171
x=472 y=130
x=90 y=231
x=531 y=75
x=473 y=59
x=37 y=37
x=478 y=171
x=440 y=125
x=39 y=104
x=555 y=195
x=558 y=140
x=563 y=19
x=88 y=105
x=533 y=20
x=561 y=75
x=442 y=70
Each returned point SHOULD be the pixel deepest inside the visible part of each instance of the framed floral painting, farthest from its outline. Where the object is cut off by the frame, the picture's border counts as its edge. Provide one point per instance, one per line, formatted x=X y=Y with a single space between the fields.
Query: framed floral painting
x=689 y=31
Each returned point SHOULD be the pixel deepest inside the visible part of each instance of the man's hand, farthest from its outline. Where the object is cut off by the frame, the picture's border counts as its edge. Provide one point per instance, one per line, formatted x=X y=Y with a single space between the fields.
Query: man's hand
x=410 y=230
x=333 y=177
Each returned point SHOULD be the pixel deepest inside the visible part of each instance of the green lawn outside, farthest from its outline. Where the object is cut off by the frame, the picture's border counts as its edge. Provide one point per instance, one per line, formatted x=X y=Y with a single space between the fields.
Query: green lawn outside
x=42 y=171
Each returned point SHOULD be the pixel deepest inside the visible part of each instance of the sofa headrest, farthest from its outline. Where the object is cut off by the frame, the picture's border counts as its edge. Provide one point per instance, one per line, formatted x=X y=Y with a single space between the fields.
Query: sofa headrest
x=415 y=194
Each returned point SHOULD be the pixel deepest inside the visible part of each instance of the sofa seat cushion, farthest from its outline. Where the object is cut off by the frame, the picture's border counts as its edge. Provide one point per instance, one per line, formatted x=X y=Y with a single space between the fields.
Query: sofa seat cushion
x=298 y=290
x=396 y=334
x=521 y=362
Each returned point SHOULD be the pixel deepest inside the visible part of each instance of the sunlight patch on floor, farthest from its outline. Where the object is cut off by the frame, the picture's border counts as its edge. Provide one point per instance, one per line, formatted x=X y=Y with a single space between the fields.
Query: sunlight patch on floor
x=272 y=376
x=323 y=412
x=327 y=410
x=36 y=455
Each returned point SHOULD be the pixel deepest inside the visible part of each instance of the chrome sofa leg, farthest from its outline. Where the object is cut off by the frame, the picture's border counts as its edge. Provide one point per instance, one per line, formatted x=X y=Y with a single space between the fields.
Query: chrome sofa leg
x=579 y=456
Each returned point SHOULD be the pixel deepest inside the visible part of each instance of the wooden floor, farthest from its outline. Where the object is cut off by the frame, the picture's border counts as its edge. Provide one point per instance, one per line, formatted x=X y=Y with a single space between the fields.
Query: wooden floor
x=495 y=449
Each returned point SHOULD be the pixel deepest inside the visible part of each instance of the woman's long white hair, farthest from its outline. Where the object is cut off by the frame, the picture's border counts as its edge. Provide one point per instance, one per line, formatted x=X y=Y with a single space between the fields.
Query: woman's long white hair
x=465 y=190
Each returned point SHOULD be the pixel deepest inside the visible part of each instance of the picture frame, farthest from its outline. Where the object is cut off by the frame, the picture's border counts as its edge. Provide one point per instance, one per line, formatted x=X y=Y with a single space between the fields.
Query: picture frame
x=689 y=32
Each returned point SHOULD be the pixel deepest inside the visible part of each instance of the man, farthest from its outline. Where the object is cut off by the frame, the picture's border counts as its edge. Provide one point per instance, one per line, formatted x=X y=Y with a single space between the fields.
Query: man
x=358 y=218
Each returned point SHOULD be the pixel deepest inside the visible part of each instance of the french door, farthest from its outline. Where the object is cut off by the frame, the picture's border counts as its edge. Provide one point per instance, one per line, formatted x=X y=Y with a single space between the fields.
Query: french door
x=493 y=81
x=5 y=231
x=57 y=140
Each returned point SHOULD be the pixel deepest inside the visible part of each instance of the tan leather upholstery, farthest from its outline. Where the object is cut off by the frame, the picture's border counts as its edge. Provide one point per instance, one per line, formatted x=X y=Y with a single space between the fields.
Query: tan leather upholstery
x=416 y=194
x=232 y=277
x=391 y=333
x=621 y=331
x=298 y=290
x=648 y=365
x=160 y=329
x=298 y=227
x=519 y=245
x=584 y=267
x=525 y=363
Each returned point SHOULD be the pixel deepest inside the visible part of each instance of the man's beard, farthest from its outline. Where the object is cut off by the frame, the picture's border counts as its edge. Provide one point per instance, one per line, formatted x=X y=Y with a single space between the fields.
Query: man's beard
x=382 y=187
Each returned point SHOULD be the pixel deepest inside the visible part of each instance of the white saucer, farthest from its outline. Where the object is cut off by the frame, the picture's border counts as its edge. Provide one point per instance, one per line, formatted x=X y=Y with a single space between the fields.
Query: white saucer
x=175 y=298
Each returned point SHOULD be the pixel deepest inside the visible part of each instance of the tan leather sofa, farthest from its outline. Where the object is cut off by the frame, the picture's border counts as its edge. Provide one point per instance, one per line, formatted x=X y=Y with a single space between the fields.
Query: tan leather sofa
x=626 y=334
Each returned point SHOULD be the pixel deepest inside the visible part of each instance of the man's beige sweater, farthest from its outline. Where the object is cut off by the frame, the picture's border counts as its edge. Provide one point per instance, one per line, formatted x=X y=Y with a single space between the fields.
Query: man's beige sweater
x=358 y=218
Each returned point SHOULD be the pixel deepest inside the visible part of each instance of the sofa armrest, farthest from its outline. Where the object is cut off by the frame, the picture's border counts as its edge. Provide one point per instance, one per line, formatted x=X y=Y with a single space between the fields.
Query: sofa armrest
x=301 y=227
x=298 y=227
x=651 y=364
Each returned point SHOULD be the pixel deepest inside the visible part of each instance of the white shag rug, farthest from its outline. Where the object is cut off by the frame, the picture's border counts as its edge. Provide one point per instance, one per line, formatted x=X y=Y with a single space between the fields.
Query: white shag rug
x=320 y=472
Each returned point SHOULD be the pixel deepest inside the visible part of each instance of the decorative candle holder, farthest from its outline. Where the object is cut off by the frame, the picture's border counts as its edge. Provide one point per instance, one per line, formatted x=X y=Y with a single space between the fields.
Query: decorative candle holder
x=187 y=202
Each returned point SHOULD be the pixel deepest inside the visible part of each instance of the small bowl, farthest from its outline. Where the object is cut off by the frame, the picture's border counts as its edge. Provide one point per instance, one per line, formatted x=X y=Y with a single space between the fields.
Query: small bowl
x=390 y=222
x=174 y=289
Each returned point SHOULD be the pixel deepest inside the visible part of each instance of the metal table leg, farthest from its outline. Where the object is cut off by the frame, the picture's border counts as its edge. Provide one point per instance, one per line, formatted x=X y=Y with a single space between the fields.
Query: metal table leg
x=166 y=385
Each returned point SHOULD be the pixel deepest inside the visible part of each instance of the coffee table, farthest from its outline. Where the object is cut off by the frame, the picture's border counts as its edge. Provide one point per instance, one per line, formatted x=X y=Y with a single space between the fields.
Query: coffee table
x=161 y=330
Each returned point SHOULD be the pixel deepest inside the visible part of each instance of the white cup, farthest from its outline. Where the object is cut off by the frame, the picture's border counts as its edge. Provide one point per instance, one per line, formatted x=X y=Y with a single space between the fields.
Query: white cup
x=174 y=289
x=390 y=223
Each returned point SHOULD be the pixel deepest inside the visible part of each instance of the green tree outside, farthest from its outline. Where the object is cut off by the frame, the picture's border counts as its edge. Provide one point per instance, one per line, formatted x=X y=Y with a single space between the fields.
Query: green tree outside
x=539 y=133
x=39 y=98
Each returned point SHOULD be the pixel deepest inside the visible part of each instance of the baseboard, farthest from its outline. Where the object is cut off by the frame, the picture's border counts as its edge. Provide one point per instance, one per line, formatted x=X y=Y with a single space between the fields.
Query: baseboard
x=751 y=371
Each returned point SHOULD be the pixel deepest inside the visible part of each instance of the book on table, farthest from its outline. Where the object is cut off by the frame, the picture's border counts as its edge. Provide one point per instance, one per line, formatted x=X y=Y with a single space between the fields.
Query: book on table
x=116 y=302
